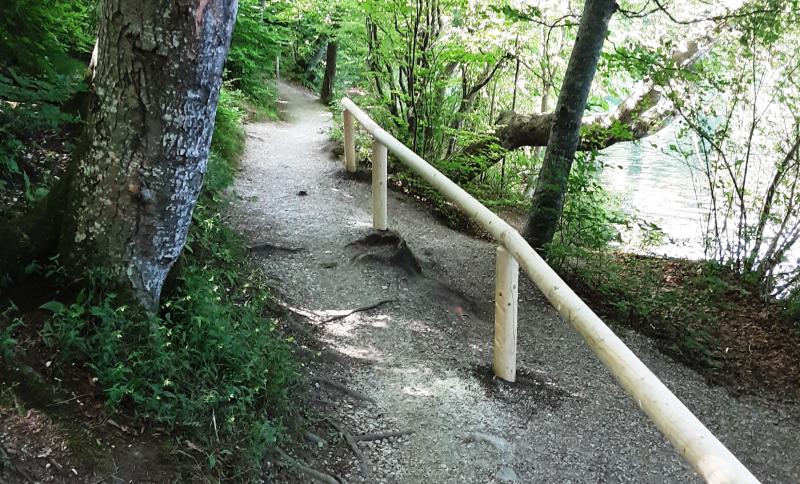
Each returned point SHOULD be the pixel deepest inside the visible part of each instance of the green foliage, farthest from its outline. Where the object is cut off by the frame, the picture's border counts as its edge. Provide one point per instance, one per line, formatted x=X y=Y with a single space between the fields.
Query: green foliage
x=38 y=74
x=8 y=325
x=229 y=136
x=40 y=36
x=791 y=311
x=30 y=117
x=251 y=58
x=590 y=218
x=631 y=292
x=212 y=363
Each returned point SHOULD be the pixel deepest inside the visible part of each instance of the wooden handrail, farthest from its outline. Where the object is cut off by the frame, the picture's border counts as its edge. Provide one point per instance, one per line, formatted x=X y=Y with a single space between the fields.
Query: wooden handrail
x=709 y=457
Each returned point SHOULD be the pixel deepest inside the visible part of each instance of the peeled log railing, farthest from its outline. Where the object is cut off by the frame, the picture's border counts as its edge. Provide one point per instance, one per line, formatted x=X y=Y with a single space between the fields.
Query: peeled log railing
x=709 y=457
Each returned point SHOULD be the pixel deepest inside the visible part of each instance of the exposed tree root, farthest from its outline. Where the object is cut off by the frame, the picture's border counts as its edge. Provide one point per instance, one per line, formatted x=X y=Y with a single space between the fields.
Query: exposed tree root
x=348 y=391
x=274 y=247
x=381 y=435
x=300 y=311
x=316 y=318
x=387 y=247
x=357 y=310
x=366 y=467
x=301 y=467
x=314 y=438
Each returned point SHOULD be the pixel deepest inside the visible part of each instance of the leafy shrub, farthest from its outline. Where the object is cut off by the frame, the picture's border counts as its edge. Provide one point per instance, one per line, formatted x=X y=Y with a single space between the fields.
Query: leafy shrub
x=8 y=324
x=30 y=113
x=589 y=218
x=229 y=136
x=39 y=37
x=251 y=60
x=211 y=364
x=791 y=312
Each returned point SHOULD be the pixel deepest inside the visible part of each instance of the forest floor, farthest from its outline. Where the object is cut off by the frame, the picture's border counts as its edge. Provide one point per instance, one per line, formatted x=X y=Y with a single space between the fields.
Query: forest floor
x=419 y=361
x=55 y=428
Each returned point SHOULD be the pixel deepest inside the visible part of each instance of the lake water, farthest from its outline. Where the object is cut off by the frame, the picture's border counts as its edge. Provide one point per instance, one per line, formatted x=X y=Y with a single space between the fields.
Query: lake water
x=660 y=189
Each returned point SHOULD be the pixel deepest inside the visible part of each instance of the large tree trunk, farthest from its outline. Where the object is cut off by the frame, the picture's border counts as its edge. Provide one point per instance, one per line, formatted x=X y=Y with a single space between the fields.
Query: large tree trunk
x=326 y=91
x=548 y=198
x=156 y=86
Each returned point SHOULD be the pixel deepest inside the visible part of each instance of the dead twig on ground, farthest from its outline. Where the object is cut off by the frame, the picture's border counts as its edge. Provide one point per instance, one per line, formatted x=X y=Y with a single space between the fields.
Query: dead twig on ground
x=68 y=400
x=348 y=391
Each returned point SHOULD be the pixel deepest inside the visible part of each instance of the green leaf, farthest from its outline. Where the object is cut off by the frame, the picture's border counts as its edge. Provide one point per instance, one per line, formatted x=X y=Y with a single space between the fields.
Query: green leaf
x=53 y=306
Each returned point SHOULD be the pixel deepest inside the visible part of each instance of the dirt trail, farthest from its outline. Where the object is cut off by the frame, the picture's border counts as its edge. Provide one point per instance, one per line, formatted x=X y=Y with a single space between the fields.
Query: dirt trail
x=424 y=356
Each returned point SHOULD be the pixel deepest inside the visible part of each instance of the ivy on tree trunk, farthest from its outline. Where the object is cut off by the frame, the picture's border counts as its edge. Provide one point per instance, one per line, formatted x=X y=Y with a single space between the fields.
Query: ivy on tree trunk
x=551 y=186
x=132 y=191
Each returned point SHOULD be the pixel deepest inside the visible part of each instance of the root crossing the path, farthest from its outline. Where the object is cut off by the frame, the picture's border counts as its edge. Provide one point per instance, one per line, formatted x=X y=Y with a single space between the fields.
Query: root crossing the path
x=421 y=359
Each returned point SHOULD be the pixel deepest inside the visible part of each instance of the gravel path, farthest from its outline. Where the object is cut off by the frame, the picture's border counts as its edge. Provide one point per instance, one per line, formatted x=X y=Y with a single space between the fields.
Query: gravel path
x=424 y=357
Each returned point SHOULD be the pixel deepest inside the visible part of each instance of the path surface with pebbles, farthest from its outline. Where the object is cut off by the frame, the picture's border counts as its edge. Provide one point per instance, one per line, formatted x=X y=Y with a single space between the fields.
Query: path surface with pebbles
x=423 y=358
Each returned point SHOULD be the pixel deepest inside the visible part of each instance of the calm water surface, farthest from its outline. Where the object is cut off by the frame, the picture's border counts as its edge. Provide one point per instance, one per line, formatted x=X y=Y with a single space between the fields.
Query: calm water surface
x=659 y=189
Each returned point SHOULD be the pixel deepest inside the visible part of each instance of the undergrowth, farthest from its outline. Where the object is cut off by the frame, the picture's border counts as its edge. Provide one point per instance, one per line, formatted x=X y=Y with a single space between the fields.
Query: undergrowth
x=212 y=364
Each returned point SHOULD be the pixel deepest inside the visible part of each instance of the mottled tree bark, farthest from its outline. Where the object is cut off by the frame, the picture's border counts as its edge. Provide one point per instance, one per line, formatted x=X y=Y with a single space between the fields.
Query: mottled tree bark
x=156 y=88
x=548 y=198
x=326 y=91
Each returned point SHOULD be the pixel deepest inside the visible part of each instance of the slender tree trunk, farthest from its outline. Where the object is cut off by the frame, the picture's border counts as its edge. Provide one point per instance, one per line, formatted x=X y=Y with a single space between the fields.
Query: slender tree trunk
x=156 y=87
x=314 y=61
x=548 y=198
x=330 y=72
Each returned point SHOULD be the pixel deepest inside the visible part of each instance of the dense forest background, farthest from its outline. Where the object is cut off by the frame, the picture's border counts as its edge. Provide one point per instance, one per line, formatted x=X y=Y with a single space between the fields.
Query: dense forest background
x=472 y=87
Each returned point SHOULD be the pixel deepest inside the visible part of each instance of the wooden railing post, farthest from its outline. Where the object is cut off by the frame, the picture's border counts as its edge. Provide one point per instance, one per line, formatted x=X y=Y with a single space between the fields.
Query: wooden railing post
x=505 y=315
x=349 y=142
x=710 y=458
x=379 y=173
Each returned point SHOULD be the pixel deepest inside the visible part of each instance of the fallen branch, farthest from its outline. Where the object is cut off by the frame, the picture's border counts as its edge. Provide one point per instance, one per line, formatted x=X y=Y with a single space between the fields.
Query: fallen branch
x=351 y=442
x=303 y=468
x=381 y=435
x=357 y=310
x=269 y=246
x=353 y=393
